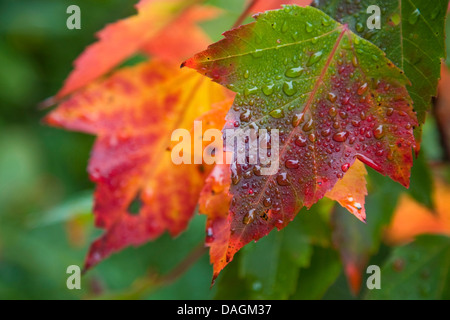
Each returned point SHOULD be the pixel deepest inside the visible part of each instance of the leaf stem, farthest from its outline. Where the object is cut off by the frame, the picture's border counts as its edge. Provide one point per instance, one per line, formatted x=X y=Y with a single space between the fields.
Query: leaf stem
x=245 y=13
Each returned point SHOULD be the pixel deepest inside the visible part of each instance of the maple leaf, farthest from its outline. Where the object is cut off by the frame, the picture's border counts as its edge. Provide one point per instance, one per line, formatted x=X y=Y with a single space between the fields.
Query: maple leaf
x=134 y=113
x=334 y=98
x=156 y=21
x=215 y=202
x=411 y=36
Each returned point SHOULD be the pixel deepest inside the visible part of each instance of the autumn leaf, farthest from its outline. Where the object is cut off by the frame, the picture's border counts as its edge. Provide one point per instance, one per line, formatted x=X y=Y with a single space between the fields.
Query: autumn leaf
x=412 y=219
x=140 y=192
x=411 y=35
x=177 y=46
x=334 y=98
x=157 y=20
x=351 y=191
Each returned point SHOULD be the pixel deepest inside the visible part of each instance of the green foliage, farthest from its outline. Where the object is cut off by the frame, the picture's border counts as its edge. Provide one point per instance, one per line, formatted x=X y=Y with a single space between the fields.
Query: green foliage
x=416 y=271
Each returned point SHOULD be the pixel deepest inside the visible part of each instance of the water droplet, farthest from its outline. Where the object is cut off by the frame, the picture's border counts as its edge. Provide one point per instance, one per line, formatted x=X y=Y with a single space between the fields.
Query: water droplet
x=341 y=136
x=209 y=235
x=297 y=119
x=267 y=202
x=277 y=113
x=246 y=74
x=292 y=164
x=343 y=115
x=309 y=27
x=326 y=22
x=390 y=155
x=249 y=91
x=249 y=217
x=258 y=53
x=355 y=61
x=363 y=89
x=308 y=126
x=256 y=286
x=390 y=112
x=345 y=167
x=359 y=27
x=312 y=137
x=332 y=112
x=246 y=116
x=301 y=141
x=285 y=27
x=326 y=132
x=332 y=97
x=414 y=17
x=294 y=72
x=289 y=88
x=235 y=178
x=396 y=19
x=282 y=179
x=356 y=123
x=268 y=89
x=247 y=174
x=314 y=58
x=379 y=132
x=435 y=12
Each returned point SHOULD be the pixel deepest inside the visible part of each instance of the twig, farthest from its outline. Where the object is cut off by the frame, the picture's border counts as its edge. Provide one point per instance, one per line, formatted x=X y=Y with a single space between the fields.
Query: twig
x=245 y=13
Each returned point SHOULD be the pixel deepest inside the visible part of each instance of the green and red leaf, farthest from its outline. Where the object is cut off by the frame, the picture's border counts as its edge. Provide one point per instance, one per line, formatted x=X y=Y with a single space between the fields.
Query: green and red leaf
x=334 y=97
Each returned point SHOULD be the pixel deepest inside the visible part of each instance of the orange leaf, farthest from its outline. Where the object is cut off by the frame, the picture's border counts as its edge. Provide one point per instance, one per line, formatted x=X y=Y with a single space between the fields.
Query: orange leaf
x=412 y=219
x=156 y=20
x=351 y=191
x=134 y=113
x=183 y=37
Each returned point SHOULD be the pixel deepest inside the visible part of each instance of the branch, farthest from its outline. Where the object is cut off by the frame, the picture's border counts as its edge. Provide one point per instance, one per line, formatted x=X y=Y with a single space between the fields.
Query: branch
x=245 y=13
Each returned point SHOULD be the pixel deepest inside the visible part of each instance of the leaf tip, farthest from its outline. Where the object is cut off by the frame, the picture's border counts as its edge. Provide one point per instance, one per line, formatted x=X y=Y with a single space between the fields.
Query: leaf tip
x=213 y=281
x=354 y=278
x=53 y=120
x=47 y=103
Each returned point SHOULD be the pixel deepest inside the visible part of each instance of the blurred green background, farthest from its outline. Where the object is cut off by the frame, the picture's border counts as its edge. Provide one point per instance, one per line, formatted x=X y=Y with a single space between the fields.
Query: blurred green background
x=46 y=196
